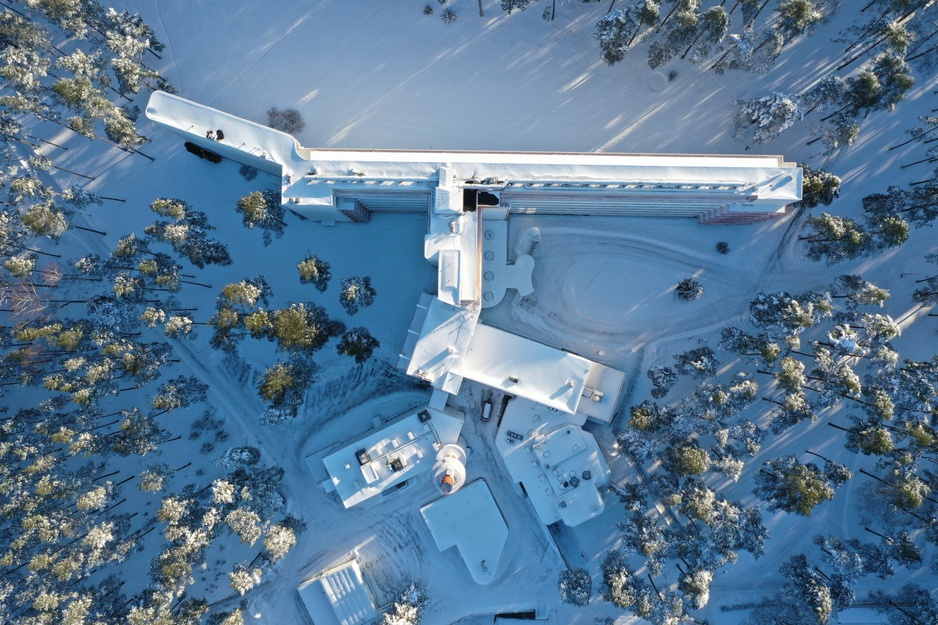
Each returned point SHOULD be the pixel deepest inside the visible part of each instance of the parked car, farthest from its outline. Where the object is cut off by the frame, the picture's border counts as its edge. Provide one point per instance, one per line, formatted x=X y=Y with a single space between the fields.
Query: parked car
x=486 y=410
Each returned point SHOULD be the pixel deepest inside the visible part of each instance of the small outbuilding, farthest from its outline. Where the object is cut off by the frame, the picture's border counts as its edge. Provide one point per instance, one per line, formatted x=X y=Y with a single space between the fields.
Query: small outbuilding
x=338 y=596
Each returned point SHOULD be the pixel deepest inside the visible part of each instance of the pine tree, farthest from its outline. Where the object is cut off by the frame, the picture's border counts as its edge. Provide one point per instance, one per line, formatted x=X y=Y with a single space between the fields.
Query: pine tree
x=795 y=408
x=138 y=434
x=576 y=586
x=314 y=271
x=408 y=606
x=179 y=392
x=303 y=327
x=245 y=523
x=687 y=459
x=750 y=51
x=824 y=94
x=700 y=362
x=287 y=120
x=253 y=209
x=867 y=437
x=910 y=605
x=662 y=378
x=712 y=29
x=688 y=290
x=789 y=315
x=243 y=578
x=791 y=486
x=796 y=17
x=806 y=584
x=855 y=291
x=619 y=29
x=45 y=219
x=521 y=5
x=285 y=384
x=620 y=587
x=770 y=116
x=680 y=33
x=278 y=541
x=614 y=31
x=265 y=210
x=696 y=584
x=927 y=295
x=818 y=187
x=358 y=343
x=356 y=293
x=760 y=349
x=649 y=417
x=879 y=87
x=918 y=206
x=840 y=130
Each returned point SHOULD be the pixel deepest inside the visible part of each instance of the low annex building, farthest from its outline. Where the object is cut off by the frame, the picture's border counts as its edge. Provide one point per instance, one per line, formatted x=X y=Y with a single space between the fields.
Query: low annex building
x=338 y=596
x=557 y=463
x=390 y=454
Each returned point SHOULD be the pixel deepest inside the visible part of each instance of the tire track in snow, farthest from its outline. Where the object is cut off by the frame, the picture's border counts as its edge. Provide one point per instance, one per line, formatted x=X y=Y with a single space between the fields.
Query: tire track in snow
x=563 y=252
x=169 y=42
x=263 y=54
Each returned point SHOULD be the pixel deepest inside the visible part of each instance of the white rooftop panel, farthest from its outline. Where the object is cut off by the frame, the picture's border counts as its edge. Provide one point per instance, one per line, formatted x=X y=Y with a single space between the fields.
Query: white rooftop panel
x=525 y=368
x=448 y=277
x=470 y=259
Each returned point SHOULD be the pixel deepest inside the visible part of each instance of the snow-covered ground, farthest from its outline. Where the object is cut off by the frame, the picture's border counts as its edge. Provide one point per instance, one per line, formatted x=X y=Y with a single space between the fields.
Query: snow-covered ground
x=379 y=74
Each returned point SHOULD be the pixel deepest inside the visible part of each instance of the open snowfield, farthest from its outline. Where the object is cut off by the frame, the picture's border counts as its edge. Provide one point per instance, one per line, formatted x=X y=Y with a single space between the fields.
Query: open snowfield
x=380 y=74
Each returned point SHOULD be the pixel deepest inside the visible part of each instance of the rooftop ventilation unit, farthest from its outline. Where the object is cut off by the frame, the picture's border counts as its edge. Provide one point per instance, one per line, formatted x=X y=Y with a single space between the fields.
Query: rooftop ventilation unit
x=363 y=457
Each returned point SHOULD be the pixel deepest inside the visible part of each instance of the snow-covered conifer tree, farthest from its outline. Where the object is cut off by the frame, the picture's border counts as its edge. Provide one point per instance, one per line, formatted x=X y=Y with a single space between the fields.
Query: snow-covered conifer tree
x=356 y=293
x=576 y=586
x=769 y=116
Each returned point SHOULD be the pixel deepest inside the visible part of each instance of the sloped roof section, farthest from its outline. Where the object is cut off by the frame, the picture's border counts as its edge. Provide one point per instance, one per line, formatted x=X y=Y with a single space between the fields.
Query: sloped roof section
x=342 y=590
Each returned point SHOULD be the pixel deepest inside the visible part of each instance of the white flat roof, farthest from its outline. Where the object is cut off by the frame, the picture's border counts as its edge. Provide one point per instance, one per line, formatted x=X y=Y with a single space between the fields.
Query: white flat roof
x=342 y=592
x=409 y=441
x=525 y=368
x=770 y=177
x=442 y=343
x=452 y=244
x=544 y=450
x=188 y=118
x=471 y=521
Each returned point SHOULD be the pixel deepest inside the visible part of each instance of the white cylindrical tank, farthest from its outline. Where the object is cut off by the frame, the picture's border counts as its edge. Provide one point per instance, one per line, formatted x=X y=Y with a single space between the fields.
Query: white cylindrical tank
x=449 y=471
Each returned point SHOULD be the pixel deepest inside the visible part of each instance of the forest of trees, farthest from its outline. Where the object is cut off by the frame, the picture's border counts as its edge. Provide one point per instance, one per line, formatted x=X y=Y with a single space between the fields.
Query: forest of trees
x=89 y=343
x=803 y=354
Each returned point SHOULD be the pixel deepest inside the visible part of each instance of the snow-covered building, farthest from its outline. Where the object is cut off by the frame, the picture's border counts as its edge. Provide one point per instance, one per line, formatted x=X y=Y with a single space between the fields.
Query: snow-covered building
x=338 y=596
x=557 y=463
x=471 y=521
x=390 y=454
x=468 y=197
x=446 y=341
x=330 y=185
